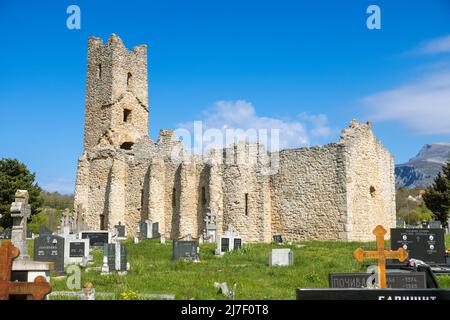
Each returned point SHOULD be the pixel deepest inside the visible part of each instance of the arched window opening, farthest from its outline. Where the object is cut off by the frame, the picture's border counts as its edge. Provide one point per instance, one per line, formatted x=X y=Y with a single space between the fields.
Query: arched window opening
x=174 y=197
x=246 y=204
x=102 y=222
x=126 y=115
x=372 y=191
x=203 y=196
x=129 y=80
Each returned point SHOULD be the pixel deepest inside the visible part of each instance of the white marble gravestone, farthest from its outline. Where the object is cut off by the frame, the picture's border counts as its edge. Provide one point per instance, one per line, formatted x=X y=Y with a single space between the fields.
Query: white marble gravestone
x=76 y=250
x=281 y=257
x=229 y=241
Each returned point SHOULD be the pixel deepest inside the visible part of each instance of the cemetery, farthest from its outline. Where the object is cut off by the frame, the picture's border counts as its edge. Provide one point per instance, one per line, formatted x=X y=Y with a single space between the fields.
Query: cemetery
x=412 y=264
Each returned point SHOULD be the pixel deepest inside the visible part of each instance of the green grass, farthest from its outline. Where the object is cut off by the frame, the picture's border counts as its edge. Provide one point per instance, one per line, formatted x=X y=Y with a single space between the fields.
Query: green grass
x=154 y=272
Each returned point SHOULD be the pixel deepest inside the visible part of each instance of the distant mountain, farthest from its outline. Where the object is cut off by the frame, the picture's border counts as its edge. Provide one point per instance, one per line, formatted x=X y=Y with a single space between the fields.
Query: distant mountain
x=420 y=171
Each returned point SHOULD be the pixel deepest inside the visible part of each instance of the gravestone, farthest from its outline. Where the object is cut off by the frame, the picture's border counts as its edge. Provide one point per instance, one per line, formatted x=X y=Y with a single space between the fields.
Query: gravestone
x=400 y=223
x=435 y=225
x=20 y=212
x=120 y=228
x=50 y=248
x=43 y=231
x=155 y=230
x=277 y=238
x=396 y=280
x=148 y=230
x=228 y=242
x=374 y=294
x=187 y=250
x=96 y=238
x=29 y=234
x=425 y=224
x=210 y=230
x=281 y=257
x=427 y=245
x=115 y=257
x=76 y=250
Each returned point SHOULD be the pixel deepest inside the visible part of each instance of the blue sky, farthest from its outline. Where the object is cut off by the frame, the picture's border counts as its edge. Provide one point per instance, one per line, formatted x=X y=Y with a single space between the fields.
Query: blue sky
x=309 y=66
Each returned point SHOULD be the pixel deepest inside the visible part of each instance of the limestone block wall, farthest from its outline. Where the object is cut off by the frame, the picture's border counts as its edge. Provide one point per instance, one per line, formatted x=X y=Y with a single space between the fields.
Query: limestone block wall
x=81 y=193
x=94 y=185
x=135 y=197
x=308 y=194
x=157 y=195
x=245 y=194
x=189 y=182
x=370 y=183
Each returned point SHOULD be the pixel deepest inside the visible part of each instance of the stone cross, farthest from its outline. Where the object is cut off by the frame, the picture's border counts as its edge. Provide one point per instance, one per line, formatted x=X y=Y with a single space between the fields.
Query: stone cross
x=231 y=232
x=210 y=221
x=80 y=223
x=37 y=289
x=381 y=255
x=20 y=212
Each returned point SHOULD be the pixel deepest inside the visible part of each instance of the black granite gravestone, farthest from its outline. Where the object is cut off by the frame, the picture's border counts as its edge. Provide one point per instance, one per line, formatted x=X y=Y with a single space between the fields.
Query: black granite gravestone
x=143 y=229
x=277 y=238
x=123 y=258
x=76 y=249
x=43 y=230
x=374 y=294
x=50 y=248
x=96 y=239
x=120 y=230
x=109 y=249
x=185 y=250
x=397 y=280
x=237 y=243
x=225 y=244
x=427 y=245
x=155 y=230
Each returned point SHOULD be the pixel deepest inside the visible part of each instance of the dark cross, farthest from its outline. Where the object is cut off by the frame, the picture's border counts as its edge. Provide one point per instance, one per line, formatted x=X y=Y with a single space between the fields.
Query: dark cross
x=37 y=289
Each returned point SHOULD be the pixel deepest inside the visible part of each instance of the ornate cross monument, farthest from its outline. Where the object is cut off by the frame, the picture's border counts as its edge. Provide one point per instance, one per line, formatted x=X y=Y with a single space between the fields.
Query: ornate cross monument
x=37 y=289
x=20 y=212
x=381 y=255
x=209 y=233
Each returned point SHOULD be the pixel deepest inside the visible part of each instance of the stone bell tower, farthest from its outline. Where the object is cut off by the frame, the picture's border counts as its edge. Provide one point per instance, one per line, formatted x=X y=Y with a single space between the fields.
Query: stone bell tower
x=116 y=94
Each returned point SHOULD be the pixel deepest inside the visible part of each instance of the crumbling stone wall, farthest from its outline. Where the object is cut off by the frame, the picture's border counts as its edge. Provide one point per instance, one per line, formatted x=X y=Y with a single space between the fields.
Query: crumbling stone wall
x=370 y=183
x=339 y=191
x=308 y=194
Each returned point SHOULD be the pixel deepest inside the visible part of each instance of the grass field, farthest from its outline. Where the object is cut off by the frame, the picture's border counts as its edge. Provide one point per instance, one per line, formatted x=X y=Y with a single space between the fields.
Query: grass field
x=153 y=271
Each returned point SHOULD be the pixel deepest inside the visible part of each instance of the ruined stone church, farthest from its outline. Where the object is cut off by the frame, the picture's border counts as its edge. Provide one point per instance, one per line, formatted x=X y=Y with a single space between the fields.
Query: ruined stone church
x=339 y=191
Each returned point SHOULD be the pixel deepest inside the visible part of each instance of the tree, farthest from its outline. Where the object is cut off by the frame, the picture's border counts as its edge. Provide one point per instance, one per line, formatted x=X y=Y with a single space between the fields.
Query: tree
x=14 y=176
x=416 y=216
x=437 y=197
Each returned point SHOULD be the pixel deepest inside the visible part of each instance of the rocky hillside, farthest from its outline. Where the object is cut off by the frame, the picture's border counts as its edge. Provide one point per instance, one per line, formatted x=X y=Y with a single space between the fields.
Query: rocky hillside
x=420 y=171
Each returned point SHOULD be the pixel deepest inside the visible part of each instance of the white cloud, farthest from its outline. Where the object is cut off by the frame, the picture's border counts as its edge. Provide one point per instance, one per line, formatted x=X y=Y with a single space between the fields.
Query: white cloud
x=423 y=105
x=242 y=115
x=434 y=46
x=319 y=124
